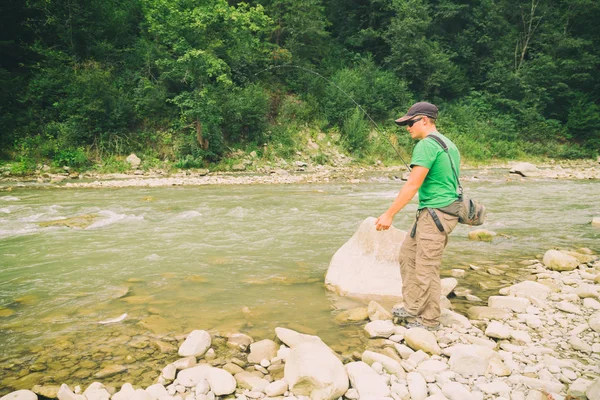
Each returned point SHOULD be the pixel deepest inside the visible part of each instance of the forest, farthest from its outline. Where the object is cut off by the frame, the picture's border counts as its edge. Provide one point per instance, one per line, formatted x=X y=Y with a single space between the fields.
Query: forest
x=87 y=82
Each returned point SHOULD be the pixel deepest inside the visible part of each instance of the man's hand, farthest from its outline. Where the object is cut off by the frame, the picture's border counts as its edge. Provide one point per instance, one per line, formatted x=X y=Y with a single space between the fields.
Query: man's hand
x=384 y=222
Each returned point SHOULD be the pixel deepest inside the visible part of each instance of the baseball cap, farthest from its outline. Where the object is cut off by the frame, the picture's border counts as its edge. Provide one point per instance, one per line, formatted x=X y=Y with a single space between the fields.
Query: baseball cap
x=420 y=108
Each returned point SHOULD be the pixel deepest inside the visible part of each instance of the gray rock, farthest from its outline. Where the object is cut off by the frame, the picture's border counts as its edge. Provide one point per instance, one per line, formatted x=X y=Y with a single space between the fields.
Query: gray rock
x=594 y=322
x=422 y=339
x=456 y=391
x=367 y=264
x=497 y=330
x=377 y=312
x=578 y=388
x=390 y=365
x=530 y=289
x=559 y=261
x=481 y=312
x=277 y=388
x=20 y=395
x=450 y=318
x=239 y=341
x=48 y=391
x=195 y=344
x=133 y=160
x=65 y=393
x=249 y=381
x=367 y=382
x=593 y=391
x=470 y=360
x=383 y=329
x=264 y=349
x=96 y=391
x=417 y=387
x=221 y=382
x=516 y=304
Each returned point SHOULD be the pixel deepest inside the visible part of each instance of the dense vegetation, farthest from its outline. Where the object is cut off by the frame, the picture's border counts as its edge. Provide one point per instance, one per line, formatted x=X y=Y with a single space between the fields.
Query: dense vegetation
x=88 y=81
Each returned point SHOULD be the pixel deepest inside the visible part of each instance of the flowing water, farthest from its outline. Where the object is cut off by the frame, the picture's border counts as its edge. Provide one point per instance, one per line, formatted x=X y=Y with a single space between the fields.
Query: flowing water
x=224 y=259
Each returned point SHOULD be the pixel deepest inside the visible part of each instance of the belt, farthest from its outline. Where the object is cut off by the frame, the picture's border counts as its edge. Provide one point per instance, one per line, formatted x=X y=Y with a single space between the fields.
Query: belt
x=435 y=218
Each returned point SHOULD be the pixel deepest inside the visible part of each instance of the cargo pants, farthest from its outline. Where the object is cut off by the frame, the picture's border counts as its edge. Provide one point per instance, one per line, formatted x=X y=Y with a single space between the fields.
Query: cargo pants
x=420 y=260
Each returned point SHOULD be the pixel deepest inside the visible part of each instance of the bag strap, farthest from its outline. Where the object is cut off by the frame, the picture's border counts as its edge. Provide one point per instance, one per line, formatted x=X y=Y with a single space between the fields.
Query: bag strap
x=445 y=147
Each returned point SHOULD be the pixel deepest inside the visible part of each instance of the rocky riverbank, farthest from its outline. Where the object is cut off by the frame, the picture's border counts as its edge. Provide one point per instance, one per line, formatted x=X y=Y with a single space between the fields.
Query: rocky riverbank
x=298 y=172
x=537 y=340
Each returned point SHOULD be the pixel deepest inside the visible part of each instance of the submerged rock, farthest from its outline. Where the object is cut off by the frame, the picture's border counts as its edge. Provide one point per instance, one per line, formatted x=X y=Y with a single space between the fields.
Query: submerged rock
x=79 y=222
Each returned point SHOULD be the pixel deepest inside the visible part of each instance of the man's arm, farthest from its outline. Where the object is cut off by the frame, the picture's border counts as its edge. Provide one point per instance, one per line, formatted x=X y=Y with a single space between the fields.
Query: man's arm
x=408 y=191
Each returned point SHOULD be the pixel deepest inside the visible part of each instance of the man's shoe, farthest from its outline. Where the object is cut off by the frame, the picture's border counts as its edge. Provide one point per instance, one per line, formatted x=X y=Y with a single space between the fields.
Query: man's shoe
x=400 y=312
x=418 y=324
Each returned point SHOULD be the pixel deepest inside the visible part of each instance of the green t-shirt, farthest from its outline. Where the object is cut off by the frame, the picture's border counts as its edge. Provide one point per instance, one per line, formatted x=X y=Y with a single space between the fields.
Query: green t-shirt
x=439 y=188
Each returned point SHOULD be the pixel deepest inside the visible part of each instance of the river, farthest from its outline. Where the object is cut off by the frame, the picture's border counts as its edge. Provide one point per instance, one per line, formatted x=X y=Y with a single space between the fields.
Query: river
x=225 y=259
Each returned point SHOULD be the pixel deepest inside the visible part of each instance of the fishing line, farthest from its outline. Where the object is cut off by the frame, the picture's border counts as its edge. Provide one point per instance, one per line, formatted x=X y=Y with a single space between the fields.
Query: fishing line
x=379 y=130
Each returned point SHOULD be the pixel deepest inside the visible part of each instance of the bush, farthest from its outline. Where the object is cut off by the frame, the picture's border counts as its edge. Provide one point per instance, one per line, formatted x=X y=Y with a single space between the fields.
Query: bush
x=356 y=132
x=76 y=158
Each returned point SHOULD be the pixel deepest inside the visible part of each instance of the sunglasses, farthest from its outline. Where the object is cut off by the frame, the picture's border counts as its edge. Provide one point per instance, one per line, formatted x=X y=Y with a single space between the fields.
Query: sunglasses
x=413 y=121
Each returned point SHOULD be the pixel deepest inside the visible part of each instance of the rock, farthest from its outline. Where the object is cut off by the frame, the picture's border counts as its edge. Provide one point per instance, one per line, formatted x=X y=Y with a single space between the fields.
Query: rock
x=239 y=341
x=127 y=392
x=530 y=289
x=417 y=387
x=354 y=315
x=594 y=322
x=277 y=388
x=195 y=344
x=481 y=312
x=312 y=369
x=184 y=363
x=451 y=318
x=221 y=382
x=448 y=285
x=458 y=273
x=430 y=368
x=156 y=391
x=248 y=380
x=422 y=339
x=516 y=304
x=390 y=365
x=133 y=160
x=578 y=344
x=264 y=349
x=20 y=395
x=482 y=235
x=96 y=391
x=497 y=330
x=293 y=338
x=593 y=391
x=591 y=303
x=559 y=261
x=456 y=391
x=468 y=360
x=367 y=382
x=164 y=347
x=110 y=371
x=596 y=221
x=233 y=369
x=537 y=384
x=525 y=169
x=79 y=222
x=378 y=312
x=50 y=391
x=577 y=389
x=383 y=329
x=65 y=393
x=585 y=291
x=568 y=307
x=238 y=167
x=367 y=264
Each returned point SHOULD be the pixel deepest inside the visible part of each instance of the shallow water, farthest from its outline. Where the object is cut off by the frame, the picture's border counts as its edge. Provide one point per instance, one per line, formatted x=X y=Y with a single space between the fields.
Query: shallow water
x=224 y=259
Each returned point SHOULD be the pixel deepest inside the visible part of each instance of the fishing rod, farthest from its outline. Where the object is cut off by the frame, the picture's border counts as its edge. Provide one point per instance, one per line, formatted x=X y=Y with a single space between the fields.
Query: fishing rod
x=379 y=130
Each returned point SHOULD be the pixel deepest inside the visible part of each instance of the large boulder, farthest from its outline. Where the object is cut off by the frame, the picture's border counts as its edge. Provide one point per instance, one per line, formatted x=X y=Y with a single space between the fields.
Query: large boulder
x=530 y=289
x=312 y=369
x=367 y=264
x=20 y=395
x=559 y=261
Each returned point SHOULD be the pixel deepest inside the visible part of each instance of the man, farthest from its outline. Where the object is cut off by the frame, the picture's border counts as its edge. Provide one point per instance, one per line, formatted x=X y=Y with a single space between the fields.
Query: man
x=421 y=253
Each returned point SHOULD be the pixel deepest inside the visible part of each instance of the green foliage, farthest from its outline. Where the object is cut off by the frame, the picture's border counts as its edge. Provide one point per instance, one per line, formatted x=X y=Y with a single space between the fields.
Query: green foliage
x=189 y=162
x=356 y=132
x=186 y=80
x=76 y=158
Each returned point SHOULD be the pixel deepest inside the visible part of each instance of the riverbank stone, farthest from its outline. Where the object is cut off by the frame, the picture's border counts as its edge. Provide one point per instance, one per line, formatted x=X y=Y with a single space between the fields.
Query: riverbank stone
x=482 y=235
x=261 y=350
x=368 y=383
x=20 y=395
x=530 y=289
x=558 y=261
x=471 y=360
x=367 y=264
x=195 y=344
x=422 y=339
x=312 y=369
x=482 y=312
